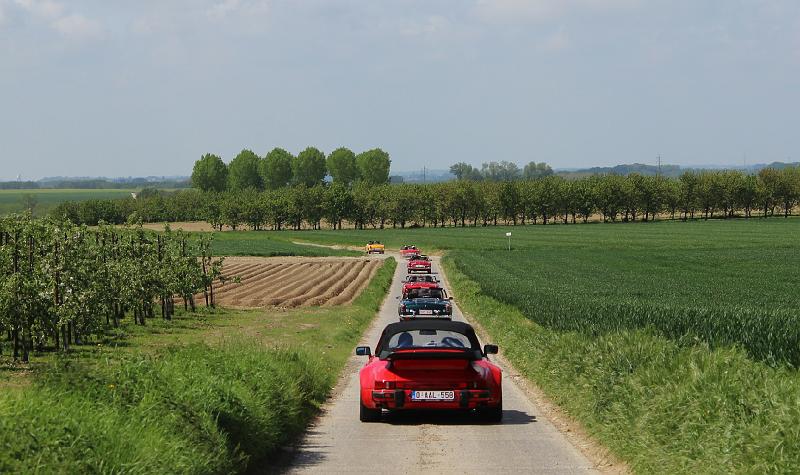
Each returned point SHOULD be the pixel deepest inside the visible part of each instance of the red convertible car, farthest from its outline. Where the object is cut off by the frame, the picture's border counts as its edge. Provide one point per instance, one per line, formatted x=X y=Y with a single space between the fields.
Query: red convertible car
x=408 y=251
x=419 y=263
x=418 y=285
x=430 y=364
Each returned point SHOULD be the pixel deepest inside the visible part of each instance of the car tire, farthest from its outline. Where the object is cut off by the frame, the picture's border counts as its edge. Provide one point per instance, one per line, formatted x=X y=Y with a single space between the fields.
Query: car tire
x=366 y=414
x=492 y=414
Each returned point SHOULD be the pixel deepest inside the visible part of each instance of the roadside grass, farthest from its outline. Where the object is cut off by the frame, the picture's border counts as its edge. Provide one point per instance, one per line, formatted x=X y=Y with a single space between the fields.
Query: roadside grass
x=265 y=243
x=661 y=406
x=216 y=392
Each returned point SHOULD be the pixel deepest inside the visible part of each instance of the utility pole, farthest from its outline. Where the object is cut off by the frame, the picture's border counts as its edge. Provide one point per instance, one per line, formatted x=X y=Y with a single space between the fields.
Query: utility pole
x=424 y=174
x=659 y=164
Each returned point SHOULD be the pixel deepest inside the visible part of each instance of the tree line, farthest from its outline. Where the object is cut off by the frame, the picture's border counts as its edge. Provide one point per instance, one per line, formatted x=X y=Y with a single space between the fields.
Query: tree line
x=280 y=169
x=500 y=171
x=61 y=282
x=611 y=198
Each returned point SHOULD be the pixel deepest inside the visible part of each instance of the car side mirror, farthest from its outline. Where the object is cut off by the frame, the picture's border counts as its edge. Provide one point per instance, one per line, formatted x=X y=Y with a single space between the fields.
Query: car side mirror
x=490 y=349
x=449 y=298
x=363 y=351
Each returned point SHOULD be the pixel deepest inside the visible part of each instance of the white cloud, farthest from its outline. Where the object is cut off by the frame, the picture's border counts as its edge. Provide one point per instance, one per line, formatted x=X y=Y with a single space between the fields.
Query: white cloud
x=42 y=8
x=58 y=18
x=76 y=25
x=504 y=11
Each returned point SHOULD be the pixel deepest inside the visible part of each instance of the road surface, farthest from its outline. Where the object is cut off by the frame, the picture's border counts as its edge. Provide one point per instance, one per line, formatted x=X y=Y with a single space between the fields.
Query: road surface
x=338 y=442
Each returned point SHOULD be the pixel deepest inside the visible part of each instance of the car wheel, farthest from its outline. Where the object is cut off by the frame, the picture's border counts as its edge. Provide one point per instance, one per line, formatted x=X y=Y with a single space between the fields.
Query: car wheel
x=369 y=415
x=492 y=414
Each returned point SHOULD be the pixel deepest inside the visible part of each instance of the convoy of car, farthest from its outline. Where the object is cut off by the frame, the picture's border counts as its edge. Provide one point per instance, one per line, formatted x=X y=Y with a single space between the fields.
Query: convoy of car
x=427 y=360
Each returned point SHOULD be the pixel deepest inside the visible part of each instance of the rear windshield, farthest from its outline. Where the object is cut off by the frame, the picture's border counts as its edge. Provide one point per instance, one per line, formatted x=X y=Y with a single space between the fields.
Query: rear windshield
x=425 y=294
x=429 y=339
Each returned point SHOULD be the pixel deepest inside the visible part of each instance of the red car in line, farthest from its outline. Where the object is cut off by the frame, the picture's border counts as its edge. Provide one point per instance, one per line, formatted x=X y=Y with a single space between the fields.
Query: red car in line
x=419 y=263
x=418 y=285
x=408 y=251
x=430 y=364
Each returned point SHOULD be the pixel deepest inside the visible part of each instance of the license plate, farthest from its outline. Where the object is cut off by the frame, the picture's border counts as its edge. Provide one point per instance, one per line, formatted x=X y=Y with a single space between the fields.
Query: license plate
x=433 y=395
x=419 y=266
x=426 y=312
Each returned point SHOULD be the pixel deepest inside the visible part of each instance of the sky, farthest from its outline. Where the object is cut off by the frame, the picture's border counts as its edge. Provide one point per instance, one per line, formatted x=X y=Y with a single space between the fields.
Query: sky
x=145 y=87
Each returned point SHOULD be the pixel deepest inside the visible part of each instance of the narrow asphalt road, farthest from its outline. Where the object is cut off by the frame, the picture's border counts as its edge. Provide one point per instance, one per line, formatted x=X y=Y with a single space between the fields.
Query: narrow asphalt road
x=338 y=442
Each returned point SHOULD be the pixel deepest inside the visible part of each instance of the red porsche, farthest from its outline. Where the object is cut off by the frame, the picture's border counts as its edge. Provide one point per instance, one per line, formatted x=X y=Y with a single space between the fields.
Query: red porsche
x=430 y=364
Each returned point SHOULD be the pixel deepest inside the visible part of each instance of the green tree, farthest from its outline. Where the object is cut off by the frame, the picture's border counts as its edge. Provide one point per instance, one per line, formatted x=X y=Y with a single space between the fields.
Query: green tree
x=465 y=171
x=342 y=166
x=535 y=170
x=243 y=172
x=276 y=169
x=309 y=167
x=373 y=166
x=210 y=173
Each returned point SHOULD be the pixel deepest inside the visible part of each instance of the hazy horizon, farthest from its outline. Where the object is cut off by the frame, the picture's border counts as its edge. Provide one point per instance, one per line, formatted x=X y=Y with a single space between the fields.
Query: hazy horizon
x=88 y=88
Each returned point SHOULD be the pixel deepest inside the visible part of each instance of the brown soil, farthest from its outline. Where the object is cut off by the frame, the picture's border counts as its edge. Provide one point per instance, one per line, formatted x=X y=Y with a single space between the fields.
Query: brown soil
x=293 y=281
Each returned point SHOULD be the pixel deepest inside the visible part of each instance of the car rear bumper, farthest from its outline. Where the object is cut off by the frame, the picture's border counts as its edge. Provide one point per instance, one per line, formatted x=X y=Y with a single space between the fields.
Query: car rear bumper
x=414 y=316
x=394 y=399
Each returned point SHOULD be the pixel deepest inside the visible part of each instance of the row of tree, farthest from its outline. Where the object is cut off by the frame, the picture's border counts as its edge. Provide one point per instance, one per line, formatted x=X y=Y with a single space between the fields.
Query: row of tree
x=500 y=171
x=61 y=282
x=279 y=169
x=463 y=202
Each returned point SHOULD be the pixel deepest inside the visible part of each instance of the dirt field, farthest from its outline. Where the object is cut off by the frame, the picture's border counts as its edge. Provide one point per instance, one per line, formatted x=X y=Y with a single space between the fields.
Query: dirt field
x=294 y=281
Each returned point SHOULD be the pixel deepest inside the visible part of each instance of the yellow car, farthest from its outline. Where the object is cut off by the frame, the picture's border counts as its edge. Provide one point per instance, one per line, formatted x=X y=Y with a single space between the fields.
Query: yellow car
x=375 y=246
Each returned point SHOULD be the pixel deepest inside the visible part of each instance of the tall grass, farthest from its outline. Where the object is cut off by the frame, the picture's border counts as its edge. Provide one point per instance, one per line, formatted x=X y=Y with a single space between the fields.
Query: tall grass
x=194 y=409
x=661 y=406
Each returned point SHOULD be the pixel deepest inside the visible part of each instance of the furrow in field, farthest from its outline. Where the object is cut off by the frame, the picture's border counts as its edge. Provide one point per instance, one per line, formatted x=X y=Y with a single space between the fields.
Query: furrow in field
x=284 y=292
x=354 y=289
x=276 y=286
x=231 y=287
x=324 y=277
x=270 y=284
x=335 y=287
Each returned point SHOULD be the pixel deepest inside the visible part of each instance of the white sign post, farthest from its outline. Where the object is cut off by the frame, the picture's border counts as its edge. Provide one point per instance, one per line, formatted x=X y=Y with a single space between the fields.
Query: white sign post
x=508 y=235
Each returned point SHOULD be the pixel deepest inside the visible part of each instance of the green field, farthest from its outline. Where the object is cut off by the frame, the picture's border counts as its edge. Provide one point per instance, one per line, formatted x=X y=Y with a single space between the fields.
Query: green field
x=675 y=344
x=13 y=201
x=220 y=391
x=260 y=243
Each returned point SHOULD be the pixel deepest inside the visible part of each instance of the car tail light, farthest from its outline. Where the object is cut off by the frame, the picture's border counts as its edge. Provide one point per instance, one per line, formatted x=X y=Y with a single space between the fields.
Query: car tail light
x=448 y=308
x=403 y=307
x=384 y=384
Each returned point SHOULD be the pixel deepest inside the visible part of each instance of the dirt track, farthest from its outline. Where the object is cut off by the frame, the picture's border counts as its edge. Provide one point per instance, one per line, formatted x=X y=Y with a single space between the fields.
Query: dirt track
x=525 y=442
x=293 y=281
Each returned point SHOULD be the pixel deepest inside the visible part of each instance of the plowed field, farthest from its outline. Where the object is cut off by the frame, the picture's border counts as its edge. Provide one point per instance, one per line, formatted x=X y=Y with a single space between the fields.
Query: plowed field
x=293 y=282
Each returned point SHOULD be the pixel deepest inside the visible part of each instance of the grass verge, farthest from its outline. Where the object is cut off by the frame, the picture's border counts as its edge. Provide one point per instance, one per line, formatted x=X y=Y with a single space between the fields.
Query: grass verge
x=213 y=393
x=661 y=406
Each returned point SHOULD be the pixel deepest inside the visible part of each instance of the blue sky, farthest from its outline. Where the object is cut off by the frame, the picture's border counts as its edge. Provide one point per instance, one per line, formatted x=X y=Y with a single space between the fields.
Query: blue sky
x=117 y=88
